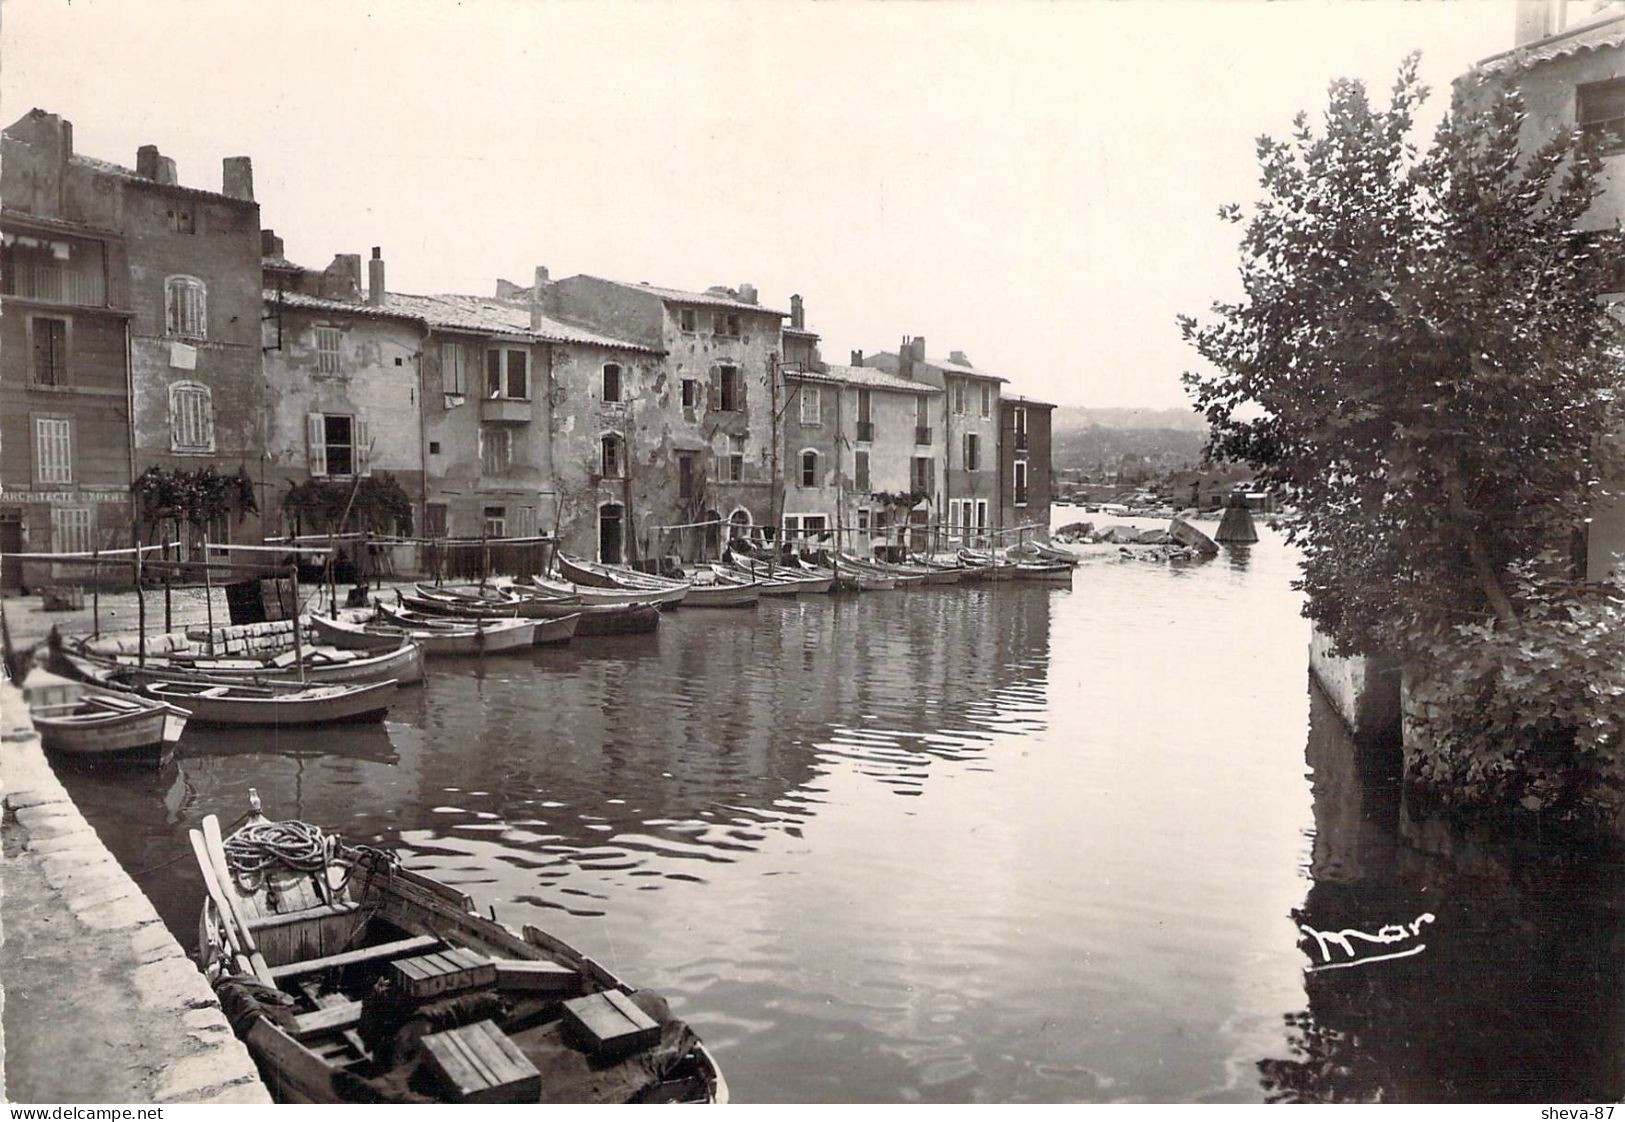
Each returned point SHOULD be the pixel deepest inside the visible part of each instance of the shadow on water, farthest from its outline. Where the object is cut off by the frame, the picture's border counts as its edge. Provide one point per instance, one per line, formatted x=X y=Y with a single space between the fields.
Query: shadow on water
x=1519 y=995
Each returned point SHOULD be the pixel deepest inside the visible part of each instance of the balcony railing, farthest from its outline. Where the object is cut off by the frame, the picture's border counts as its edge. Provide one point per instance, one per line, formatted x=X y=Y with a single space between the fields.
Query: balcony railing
x=505 y=410
x=922 y=434
x=866 y=431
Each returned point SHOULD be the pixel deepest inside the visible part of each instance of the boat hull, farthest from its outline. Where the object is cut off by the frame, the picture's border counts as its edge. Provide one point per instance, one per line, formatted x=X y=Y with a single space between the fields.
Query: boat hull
x=403 y=665
x=99 y=731
x=481 y=637
x=248 y=706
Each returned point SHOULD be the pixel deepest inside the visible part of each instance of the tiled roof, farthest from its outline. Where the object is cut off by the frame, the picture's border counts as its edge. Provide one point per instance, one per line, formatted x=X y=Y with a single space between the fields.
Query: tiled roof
x=106 y=167
x=1604 y=34
x=502 y=317
x=711 y=299
x=479 y=314
x=961 y=368
x=1017 y=399
x=788 y=330
x=280 y=263
x=865 y=377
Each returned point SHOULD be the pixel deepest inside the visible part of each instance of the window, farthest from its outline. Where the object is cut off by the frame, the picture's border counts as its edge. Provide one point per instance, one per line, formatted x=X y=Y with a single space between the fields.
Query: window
x=691 y=393
x=434 y=519
x=191 y=418
x=1018 y=421
x=337 y=444
x=53 y=449
x=736 y=459
x=524 y=522
x=959 y=397
x=812 y=405
x=453 y=369
x=725 y=323
x=987 y=401
x=70 y=529
x=687 y=319
x=496 y=449
x=685 y=475
x=922 y=420
x=182 y=221
x=1600 y=113
x=186 y=308
x=61 y=270
x=863 y=520
x=924 y=476
x=434 y=447
x=50 y=340
x=1021 y=482
x=866 y=427
x=728 y=389
x=860 y=470
x=612 y=382
x=327 y=350
x=507 y=373
x=496 y=521
x=953 y=519
x=809 y=468
x=973 y=452
x=612 y=461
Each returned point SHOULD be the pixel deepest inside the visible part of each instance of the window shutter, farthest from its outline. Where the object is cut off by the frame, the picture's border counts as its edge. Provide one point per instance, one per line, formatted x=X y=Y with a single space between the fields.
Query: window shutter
x=741 y=388
x=205 y=404
x=316 y=443
x=177 y=419
x=493 y=373
x=714 y=396
x=363 y=447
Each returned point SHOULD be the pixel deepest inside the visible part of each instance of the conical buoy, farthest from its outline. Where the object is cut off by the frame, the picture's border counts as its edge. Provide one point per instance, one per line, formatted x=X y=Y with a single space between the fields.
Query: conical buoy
x=1237 y=528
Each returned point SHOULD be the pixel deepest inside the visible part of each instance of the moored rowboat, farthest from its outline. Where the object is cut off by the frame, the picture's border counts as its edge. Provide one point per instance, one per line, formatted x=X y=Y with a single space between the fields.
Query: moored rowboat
x=253 y=705
x=478 y=637
x=89 y=723
x=358 y=971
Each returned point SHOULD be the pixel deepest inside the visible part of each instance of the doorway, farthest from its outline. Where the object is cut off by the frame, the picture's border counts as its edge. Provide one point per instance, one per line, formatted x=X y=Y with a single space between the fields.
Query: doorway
x=611 y=533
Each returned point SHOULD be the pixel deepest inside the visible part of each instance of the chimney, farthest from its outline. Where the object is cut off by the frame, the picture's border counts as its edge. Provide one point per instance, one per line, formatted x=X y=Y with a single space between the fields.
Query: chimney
x=237 y=177
x=342 y=279
x=375 y=277
x=1536 y=19
x=146 y=161
x=747 y=293
x=798 y=317
x=918 y=347
x=857 y=358
x=538 y=290
x=905 y=358
x=166 y=171
x=959 y=357
x=270 y=244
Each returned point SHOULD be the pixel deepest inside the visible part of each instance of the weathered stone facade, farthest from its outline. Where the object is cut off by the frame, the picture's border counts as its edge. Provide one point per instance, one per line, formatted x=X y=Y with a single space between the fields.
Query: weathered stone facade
x=1026 y=490
x=708 y=404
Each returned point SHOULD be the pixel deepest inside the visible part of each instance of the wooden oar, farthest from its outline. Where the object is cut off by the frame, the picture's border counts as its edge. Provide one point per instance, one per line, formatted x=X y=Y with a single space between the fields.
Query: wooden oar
x=222 y=872
x=201 y=850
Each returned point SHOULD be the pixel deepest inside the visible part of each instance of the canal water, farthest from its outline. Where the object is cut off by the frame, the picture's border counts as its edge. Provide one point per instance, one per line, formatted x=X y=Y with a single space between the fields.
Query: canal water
x=1013 y=843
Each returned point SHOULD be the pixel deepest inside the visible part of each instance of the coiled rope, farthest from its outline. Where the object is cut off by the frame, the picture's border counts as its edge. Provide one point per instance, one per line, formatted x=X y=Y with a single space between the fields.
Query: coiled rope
x=299 y=846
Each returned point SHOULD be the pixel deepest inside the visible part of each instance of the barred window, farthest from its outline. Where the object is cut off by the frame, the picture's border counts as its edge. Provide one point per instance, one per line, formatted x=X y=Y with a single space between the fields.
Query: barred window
x=186 y=308
x=191 y=418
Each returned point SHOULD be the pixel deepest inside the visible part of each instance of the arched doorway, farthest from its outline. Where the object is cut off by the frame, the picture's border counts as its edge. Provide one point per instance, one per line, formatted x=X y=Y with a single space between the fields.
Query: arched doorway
x=611 y=533
x=739 y=523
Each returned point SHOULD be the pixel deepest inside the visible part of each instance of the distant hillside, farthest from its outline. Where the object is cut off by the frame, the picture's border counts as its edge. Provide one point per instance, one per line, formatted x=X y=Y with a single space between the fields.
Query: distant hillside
x=1069 y=417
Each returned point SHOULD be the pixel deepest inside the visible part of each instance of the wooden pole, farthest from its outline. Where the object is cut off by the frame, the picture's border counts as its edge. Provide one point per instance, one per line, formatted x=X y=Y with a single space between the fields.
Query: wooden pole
x=140 y=600
x=96 y=596
x=298 y=644
x=208 y=594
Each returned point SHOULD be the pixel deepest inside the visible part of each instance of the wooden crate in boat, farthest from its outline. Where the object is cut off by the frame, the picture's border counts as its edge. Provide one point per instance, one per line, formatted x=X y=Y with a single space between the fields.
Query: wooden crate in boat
x=447 y=971
x=609 y=1023
x=479 y=1064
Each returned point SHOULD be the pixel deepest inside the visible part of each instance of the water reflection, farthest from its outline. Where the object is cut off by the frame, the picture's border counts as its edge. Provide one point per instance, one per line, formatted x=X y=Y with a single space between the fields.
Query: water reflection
x=1519 y=996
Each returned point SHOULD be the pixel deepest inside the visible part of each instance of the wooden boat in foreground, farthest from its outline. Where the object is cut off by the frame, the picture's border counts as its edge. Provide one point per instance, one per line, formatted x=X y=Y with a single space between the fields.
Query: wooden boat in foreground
x=179 y=660
x=254 y=705
x=98 y=725
x=596 y=574
x=351 y=979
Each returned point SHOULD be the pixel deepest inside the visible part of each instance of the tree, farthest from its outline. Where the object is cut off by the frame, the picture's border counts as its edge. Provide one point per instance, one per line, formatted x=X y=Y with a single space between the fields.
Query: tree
x=375 y=504
x=1421 y=367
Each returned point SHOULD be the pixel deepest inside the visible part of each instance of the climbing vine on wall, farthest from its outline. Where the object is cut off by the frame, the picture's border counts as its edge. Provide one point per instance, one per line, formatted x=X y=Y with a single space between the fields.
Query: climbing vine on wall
x=196 y=496
x=380 y=506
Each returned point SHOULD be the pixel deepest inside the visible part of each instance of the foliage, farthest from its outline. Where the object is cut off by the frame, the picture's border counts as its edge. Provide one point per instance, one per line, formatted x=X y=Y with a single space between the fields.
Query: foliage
x=900 y=500
x=380 y=505
x=1419 y=365
x=197 y=495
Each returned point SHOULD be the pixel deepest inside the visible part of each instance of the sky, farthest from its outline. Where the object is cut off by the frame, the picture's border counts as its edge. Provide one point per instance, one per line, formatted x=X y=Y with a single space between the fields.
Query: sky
x=1035 y=184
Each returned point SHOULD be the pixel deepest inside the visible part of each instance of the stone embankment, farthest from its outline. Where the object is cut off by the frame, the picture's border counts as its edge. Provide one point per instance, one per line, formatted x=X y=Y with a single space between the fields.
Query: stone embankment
x=101 y=1003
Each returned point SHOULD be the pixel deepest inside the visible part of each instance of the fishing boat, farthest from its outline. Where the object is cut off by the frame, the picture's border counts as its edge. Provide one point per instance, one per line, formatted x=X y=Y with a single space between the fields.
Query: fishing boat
x=477 y=637
x=778 y=580
x=352 y=979
x=901 y=577
x=1042 y=552
x=1058 y=572
x=175 y=658
x=597 y=574
x=548 y=631
x=717 y=586
x=99 y=725
x=255 y=705
x=601 y=594
x=849 y=578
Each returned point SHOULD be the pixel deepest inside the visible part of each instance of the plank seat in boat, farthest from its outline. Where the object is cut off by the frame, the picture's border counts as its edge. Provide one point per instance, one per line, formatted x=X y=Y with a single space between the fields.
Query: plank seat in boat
x=351 y=958
x=331 y=1018
x=320 y=911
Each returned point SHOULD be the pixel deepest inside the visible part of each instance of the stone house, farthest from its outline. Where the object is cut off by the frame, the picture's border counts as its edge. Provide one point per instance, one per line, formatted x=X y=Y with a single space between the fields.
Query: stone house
x=1026 y=490
x=687 y=420
x=852 y=455
x=961 y=432
x=343 y=371
x=1569 y=65
x=129 y=339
